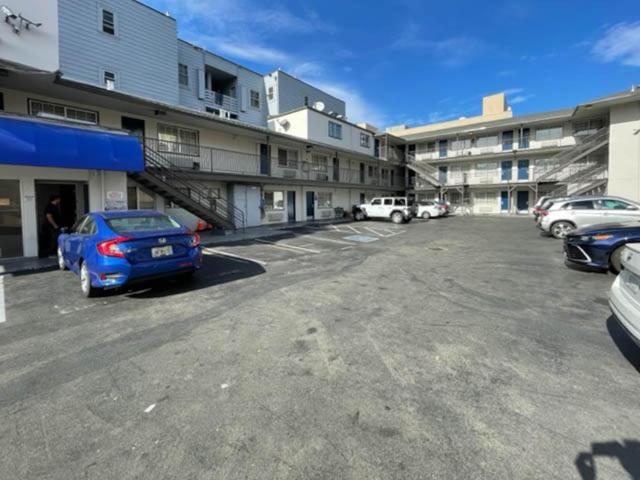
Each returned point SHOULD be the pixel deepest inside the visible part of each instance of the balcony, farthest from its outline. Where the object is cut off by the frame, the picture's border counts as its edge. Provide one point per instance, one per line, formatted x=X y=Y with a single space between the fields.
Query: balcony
x=197 y=158
x=220 y=101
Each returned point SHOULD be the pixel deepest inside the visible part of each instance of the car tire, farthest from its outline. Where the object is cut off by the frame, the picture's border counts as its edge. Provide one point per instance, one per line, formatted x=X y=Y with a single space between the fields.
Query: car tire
x=615 y=260
x=397 y=218
x=560 y=229
x=359 y=216
x=85 y=282
x=426 y=216
x=61 y=265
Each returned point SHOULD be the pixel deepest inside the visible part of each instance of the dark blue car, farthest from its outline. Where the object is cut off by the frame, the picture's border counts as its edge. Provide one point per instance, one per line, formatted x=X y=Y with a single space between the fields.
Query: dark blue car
x=110 y=249
x=599 y=247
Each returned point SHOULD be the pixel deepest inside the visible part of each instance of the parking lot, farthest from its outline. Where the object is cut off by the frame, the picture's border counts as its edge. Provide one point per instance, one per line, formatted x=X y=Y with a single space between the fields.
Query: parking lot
x=455 y=348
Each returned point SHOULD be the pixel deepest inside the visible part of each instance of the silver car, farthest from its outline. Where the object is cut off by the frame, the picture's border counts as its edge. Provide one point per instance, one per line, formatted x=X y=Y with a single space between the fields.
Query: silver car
x=578 y=212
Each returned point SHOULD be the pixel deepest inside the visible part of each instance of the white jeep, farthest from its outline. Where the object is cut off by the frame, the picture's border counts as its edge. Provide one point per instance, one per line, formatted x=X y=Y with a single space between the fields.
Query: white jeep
x=398 y=209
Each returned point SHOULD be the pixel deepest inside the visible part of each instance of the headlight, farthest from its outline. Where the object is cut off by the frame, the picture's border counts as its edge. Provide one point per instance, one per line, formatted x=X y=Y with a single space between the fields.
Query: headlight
x=595 y=238
x=585 y=238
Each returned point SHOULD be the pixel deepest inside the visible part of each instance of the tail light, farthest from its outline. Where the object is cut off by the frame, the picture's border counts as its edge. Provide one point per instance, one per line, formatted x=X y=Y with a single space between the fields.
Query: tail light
x=111 y=248
x=544 y=213
x=194 y=241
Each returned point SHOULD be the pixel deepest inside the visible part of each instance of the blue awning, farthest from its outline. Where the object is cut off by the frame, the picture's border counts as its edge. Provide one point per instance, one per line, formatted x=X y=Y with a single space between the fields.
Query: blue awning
x=41 y=144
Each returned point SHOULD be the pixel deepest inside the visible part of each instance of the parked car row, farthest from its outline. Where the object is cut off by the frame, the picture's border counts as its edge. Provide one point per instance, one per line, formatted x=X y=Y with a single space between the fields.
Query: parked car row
x=399 y=209
x=602 y=234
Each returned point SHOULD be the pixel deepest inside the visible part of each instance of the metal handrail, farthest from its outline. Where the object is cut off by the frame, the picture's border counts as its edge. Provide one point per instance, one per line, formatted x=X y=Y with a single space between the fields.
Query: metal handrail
x=165 y=170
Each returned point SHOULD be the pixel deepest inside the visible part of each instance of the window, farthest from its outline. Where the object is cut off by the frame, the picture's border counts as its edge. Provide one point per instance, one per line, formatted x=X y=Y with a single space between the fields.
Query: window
x=393 y=177
x=88 y=227
x=63 y=112
x=335 y=130
x=442 y=148
x=255 y=99
x=319 y=162
x=490 y=141
x=270 y=93
x=365 y=140
x=507 y=140
x=431 y=147
x=325 y=199
x=274 y=200
x=583 y=205
x=142 y=223
x=524 y=138
x=588 y=126
x=109 y=80
x=376 y=201
x=461 y=144
x=183 y=74
x=400 y=202
x=108 y=22
x=544 y=134
x=178 y=140
x=287 y=158
x=612 y=204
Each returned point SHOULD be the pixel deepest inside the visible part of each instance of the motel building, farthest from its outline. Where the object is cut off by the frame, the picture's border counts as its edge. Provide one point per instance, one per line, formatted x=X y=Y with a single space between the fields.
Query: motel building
x=102 y=104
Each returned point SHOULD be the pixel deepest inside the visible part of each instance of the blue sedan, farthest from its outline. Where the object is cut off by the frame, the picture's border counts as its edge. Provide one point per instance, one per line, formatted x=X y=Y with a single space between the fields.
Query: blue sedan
x=111 y=249
x=599 y=247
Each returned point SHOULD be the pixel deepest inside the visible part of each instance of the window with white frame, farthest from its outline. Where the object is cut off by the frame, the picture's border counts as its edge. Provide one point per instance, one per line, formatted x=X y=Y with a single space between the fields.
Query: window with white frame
x=365 y=140
x=108 y=22
x=255 y=99
x=489 y=141
x=287 y=157
x=335 y=130
x=183 y=74
x=109 y=80
x=270 y=93
x=325 y=199
x=274 y=200
x=461 y=144
x=39 y=108
x=545 y=134
x=319 y=162
x=180 y=140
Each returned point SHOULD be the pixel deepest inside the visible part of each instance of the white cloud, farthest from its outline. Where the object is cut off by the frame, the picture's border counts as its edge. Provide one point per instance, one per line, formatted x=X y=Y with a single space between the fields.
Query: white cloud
x=513 y=91
x=520 y=99
x=621 y=43
x=359 y=109
x=243 y=50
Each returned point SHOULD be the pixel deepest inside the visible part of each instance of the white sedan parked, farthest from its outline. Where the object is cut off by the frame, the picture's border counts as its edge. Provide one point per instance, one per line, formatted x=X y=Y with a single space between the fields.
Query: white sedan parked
x=624 y=297
x=428 y=209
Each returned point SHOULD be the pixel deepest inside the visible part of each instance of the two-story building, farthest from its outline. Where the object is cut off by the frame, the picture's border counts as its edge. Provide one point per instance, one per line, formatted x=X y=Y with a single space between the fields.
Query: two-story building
x=118 y=66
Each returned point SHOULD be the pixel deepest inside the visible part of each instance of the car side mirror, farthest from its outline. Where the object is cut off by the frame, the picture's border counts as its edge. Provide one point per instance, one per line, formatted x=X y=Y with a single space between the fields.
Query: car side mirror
x=632 y=207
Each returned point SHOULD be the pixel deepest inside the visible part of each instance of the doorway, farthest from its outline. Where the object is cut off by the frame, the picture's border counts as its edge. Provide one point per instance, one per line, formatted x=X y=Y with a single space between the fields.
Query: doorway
x=311 y=207
x=265 y=159
x=74 y=202
x=135 y=126
x=10 y=219
x=291 y=206
x=504 y=201
x=523 y=201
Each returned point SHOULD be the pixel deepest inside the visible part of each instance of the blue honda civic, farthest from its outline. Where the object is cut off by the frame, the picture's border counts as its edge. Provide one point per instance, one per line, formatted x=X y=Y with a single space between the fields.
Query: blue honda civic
x=599 y=247
x=111 y=249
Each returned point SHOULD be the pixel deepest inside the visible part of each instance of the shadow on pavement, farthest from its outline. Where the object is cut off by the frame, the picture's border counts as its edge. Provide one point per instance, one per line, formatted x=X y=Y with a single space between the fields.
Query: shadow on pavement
x=627 y=452
x=216 y=270
x=625 y=344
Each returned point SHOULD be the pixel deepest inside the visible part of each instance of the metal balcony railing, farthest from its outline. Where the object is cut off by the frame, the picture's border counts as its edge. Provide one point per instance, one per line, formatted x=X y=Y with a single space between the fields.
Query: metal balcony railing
x=218 y=100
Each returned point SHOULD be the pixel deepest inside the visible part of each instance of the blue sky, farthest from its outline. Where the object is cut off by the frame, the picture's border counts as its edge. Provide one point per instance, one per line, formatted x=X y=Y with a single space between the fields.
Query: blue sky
x=415 y=62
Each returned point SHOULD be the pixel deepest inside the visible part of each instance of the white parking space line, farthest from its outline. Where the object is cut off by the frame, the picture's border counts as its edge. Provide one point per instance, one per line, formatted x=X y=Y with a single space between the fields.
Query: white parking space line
x=390 y=233
x=215 y=251
x=353 y=228
x=330 y=240
x=3 y=312
x=284 y=246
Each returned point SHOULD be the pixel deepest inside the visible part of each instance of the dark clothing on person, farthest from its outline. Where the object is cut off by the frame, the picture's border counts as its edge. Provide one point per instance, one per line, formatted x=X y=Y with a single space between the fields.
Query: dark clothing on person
x=49 y=231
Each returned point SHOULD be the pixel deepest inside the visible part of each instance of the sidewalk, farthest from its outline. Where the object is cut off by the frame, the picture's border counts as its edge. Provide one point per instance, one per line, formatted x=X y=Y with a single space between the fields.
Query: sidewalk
x=262 y=231
x=26 y=264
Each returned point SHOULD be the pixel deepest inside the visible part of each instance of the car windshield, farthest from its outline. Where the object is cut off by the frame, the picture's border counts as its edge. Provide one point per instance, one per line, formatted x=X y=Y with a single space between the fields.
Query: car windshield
x=142 y=223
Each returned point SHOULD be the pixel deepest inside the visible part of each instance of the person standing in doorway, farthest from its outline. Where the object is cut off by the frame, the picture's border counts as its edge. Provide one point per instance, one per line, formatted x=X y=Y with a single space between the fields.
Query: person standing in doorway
x=52 y=223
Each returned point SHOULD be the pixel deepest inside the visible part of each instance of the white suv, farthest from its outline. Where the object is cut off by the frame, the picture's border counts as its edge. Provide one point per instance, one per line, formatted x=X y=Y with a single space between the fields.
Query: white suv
x=578 y=212
x=398 y=209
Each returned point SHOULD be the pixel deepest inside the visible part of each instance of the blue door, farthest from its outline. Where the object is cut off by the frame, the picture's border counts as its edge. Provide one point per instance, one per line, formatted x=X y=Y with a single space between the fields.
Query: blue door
x=523 y=170
x=507 y=165
x=442 y=174
x=504 y=201
x=523 y=200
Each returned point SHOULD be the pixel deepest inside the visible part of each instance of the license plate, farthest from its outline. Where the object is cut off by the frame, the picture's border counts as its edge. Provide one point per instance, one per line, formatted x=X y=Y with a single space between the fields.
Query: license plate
x=162 y=251
x=632 y=282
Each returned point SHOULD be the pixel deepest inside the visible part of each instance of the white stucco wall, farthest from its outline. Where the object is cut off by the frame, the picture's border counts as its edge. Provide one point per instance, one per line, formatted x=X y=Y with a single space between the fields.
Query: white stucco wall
x=624 y=151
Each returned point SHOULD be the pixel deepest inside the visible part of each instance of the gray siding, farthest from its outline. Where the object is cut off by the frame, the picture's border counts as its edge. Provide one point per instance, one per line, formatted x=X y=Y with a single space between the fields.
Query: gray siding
x=290 y=93
x=248 y=80
x=193 y=58
x=143 y=53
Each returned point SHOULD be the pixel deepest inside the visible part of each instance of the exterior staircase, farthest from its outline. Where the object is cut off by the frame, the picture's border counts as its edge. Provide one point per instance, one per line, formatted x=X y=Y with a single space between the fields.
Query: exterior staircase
x=424 y=170
x=564 y=159
x=161 y=176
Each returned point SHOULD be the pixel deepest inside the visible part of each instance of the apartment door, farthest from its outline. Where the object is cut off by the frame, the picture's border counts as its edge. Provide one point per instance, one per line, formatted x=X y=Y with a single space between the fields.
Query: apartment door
x=504 y=201
x=336 y=169
x=442 y=174
x=362 y=173
x=523 y=170
x=291 y=206
x=311 y=205
x=523 y=201
x=134 y=125
x=265 y=159
x=10 y=219
x=506 y=167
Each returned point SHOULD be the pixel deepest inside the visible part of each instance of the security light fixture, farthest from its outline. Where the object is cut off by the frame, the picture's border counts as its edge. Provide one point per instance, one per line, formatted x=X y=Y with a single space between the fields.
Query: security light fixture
x=8 y=14
x=28 y=23
x=17 y=22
